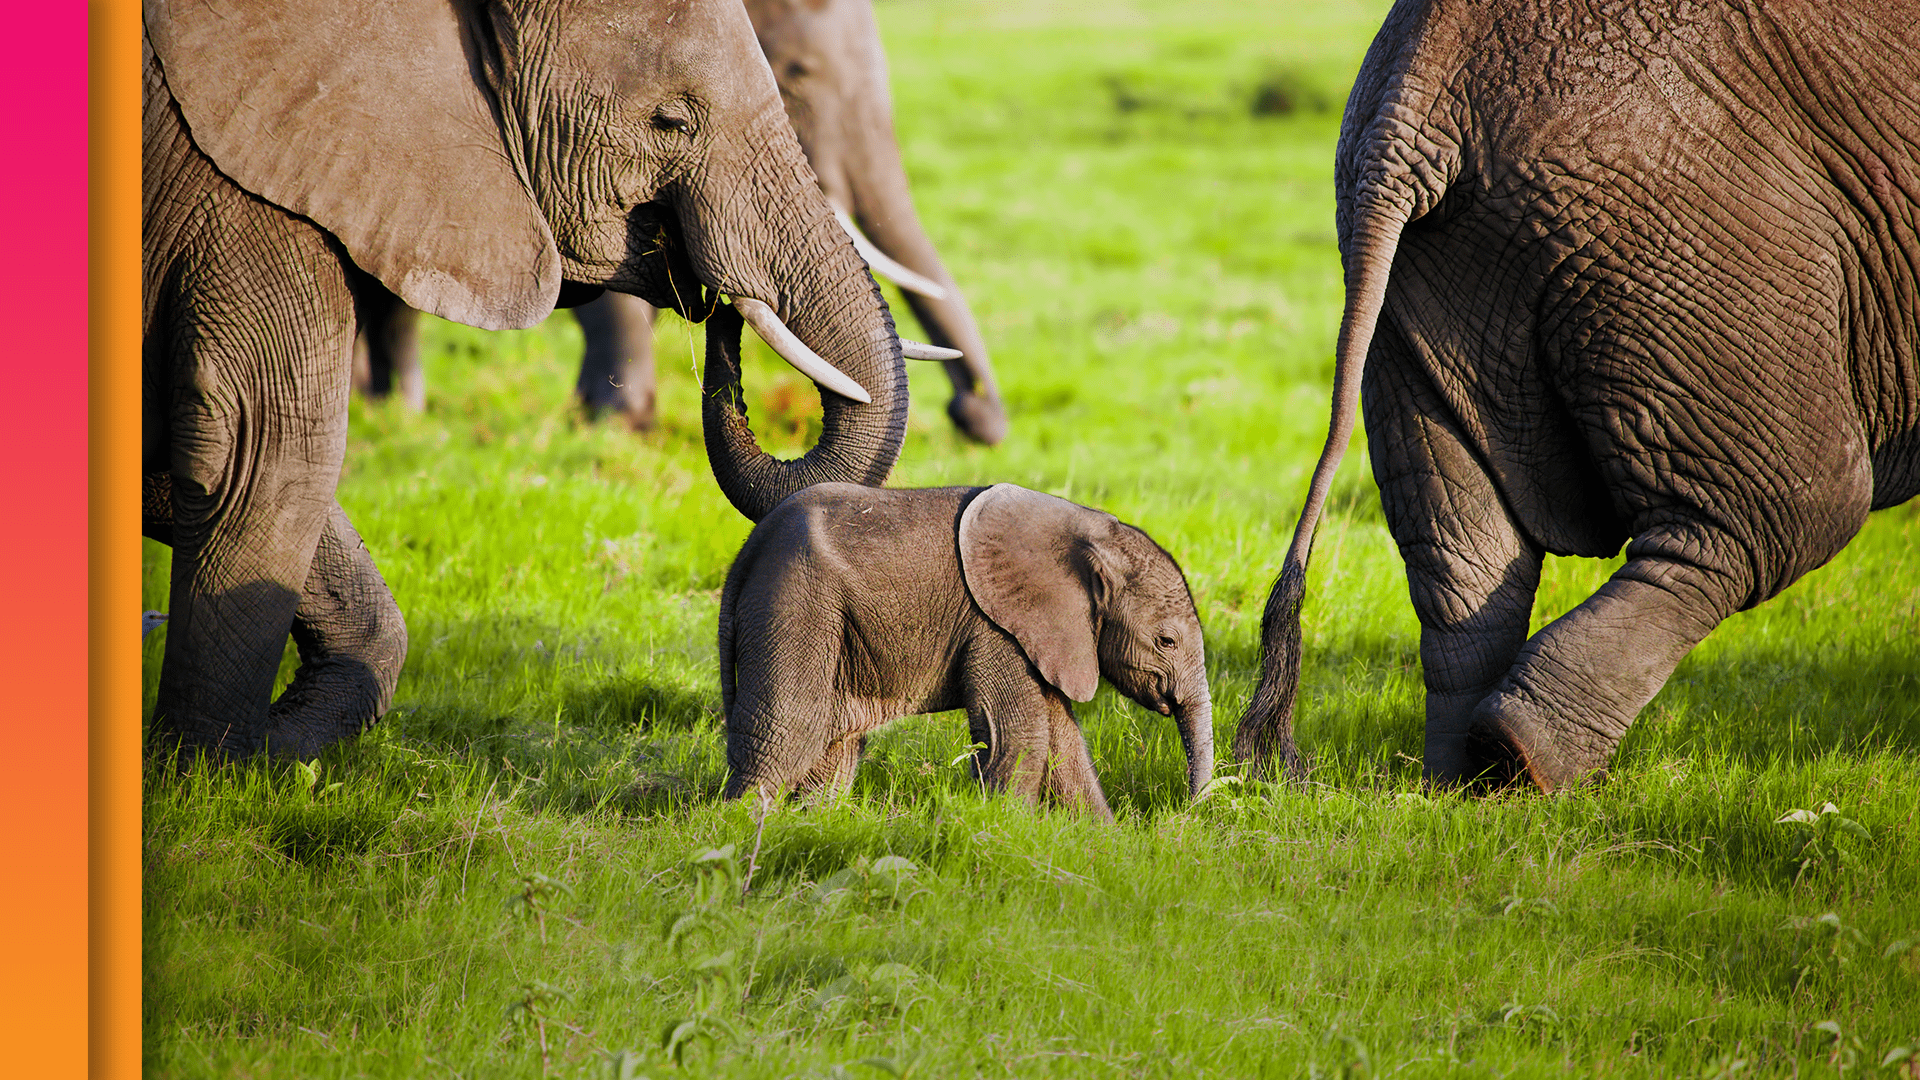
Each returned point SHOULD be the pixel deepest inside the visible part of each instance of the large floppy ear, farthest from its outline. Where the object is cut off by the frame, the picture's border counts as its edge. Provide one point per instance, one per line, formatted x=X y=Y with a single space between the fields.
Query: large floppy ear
x=370 y=118
x=1032 y=563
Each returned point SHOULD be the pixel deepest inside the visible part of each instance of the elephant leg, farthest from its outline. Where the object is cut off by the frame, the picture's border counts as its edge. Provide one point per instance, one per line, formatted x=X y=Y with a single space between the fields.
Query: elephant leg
x=1470 y=573
x=975 y=408
x=258 y=327
x=1580 y=681
x=352 y=642
x=390 y=334
x=1070 y=778
x=616 y=370
x=1015 y=711
x=833 y=774
x=784 y=745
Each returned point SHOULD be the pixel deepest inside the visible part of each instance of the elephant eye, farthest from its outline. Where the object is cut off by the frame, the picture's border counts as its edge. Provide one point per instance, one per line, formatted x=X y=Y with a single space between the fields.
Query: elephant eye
x=1165 y=641
x=796 y=70
x=669 y=122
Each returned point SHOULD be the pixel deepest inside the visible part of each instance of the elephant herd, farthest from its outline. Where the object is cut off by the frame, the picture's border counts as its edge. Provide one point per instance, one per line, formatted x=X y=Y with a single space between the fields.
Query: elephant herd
x=1639 y=273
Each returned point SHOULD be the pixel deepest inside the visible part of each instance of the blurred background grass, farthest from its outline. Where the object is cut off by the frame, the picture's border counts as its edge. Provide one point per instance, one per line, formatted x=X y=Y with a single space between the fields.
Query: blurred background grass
x=1137 y=199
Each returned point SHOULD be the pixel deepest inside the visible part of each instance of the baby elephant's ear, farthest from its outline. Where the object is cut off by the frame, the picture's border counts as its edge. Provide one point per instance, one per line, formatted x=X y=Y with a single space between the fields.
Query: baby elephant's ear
x=1028 y=561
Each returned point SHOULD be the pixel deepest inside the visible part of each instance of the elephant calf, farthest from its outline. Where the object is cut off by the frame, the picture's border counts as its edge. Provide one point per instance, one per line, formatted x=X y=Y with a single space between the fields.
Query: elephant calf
x=851 y=606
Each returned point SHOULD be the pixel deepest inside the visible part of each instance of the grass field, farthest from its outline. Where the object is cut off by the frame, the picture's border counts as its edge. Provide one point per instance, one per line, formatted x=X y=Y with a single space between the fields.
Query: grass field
x=524 y=869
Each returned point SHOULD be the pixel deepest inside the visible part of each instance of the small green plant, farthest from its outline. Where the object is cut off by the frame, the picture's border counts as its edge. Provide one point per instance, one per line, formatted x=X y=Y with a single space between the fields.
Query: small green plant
x=1538 y=1019
x=623 y=1065
x=1516 y=906
x=1725 y=1067
x=887 y=881
x=1844 y=1049
x=531 y=901
x=309 y=774
x=1817 y=838
x=1833 y=947
x=888 y=988
x=712 y=918
x=530 y=1008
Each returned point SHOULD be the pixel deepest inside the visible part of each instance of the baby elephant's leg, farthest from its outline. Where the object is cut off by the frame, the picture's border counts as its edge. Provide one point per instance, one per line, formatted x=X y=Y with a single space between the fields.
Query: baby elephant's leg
x=1034 y=745
x=770 y=751
x=1071 y=780
x=832 y=775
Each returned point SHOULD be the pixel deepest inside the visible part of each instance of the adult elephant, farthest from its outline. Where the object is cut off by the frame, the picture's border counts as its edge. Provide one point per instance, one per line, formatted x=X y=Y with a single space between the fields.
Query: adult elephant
x=1616 y=272
x=470 y=157
x=832 y=72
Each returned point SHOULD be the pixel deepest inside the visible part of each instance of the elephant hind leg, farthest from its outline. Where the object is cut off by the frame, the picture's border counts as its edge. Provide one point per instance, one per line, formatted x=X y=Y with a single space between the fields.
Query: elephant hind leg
x=772 y=753
x=833 y=774
x=352 y=642
x=1471 y=573
x=1580 y=682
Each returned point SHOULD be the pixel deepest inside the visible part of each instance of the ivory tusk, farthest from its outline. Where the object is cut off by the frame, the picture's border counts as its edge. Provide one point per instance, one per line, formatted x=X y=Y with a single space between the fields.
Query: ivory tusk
x=920 y=350
x=794 y=351
x=888 y=267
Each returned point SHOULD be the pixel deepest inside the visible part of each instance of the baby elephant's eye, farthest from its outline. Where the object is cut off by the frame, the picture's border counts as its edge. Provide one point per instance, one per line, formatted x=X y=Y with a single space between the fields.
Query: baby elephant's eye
x=1165 y=641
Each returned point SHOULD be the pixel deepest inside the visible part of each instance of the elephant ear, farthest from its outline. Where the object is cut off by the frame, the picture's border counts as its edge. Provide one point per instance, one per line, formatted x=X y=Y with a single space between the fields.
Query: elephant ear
x=1033 y=563
x=368 y=117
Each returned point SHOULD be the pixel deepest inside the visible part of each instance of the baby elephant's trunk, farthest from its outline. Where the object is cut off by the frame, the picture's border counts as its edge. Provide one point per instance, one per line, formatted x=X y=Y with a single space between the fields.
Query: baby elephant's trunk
x=1195 y=718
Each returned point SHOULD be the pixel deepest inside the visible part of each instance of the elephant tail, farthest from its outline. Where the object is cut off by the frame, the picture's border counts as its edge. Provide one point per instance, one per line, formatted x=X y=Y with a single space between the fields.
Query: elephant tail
x=1266 y=728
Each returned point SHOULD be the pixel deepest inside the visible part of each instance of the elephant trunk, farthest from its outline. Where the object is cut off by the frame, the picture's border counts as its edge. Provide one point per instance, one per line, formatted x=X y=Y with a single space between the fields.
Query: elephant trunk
x=805 y=271
x=1195 y=720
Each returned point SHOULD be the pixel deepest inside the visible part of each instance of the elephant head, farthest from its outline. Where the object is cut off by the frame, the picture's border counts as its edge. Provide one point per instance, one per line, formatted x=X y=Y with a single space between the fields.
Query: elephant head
x=832 y=71
x=1087 y=595
x=474 y=154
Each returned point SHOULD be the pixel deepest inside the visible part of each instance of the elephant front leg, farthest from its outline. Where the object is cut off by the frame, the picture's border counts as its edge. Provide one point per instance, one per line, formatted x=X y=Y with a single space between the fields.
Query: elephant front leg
x=1470 y=573
x=352 y=642
x=1070 y=779
x=257 y=345
x=1034 y=745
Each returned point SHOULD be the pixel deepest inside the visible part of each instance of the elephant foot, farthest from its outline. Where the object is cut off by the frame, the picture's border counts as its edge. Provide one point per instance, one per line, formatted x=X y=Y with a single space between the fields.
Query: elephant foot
x=329 y=702
x=1514 y=740
x=982 y=419
x=599 y=402
x=352 y=641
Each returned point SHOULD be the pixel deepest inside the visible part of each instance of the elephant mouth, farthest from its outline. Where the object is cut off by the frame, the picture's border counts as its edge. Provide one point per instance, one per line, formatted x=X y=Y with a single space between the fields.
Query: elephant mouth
x=662 y=273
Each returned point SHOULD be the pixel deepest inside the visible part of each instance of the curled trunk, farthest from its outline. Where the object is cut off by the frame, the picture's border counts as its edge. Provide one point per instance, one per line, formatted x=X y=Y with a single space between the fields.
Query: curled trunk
x=858 y=443
x=802 y=266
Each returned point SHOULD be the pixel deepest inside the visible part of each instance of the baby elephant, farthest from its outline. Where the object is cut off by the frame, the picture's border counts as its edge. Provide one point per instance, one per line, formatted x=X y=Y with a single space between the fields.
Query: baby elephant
x=850 y=607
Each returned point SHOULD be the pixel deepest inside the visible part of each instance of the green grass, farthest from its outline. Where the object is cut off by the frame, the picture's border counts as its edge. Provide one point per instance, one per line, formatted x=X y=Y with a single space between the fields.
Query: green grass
x=1155 y=269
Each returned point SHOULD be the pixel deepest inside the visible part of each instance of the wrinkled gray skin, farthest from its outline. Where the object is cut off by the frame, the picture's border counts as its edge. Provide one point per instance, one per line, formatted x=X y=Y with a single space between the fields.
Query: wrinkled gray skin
x=850 y=607
x=1636 y=273
x=827 y=58
x=467 y=156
